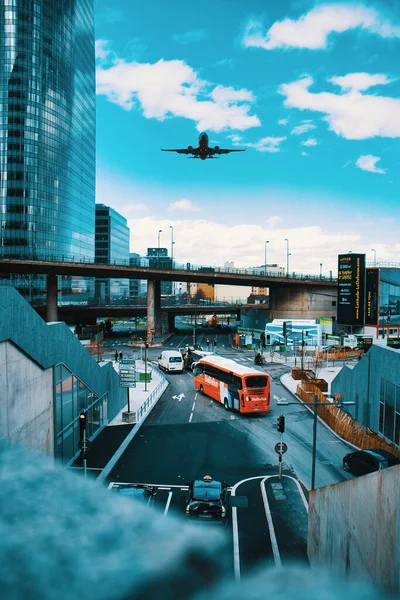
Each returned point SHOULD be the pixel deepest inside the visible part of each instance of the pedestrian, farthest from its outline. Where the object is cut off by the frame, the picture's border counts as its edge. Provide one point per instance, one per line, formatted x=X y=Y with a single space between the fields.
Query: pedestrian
x=215 y=342
x=120 y=356
x=116 y=355
x=208 y=343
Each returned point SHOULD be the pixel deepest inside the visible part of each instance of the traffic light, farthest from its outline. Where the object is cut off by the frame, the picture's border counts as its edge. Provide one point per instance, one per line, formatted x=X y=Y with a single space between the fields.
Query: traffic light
x=281 y=424
x=82 y=423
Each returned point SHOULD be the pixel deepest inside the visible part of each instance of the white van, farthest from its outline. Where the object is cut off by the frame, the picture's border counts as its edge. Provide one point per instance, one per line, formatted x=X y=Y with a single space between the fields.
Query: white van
x=171 y=360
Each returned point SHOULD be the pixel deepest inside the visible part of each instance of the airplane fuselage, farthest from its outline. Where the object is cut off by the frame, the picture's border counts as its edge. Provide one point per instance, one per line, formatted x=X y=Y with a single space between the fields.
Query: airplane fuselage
x=203 y=145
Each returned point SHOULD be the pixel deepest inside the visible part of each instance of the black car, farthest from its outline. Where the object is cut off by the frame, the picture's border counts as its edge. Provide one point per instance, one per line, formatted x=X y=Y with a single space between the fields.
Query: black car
x=207 y=500
x=368 y=461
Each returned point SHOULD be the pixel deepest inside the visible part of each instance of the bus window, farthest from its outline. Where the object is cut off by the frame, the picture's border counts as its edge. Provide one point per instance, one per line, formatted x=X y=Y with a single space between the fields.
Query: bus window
x=256 y=381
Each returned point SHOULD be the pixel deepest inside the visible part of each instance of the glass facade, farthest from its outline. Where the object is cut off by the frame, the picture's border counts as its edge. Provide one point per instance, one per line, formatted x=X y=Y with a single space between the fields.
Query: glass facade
x=112 y=244
x=71 y=397
x=389 y=297
x=47 y=114
x=389 y=411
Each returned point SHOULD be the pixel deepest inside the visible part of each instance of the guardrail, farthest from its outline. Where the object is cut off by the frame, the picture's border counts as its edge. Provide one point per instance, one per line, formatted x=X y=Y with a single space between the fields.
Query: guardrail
x=141 y=413
x=168 y=265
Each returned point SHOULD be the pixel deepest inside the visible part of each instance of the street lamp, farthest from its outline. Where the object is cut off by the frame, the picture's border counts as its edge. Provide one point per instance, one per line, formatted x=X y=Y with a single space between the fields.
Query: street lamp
x=172 y=244
x=159 y=231
x=265 y=257
x=287 y=257
x=374 y=251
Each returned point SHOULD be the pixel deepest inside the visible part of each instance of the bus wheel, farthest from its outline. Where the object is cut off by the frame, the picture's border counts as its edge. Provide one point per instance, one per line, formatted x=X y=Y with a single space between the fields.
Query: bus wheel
x=226 y=405
x=201 y=390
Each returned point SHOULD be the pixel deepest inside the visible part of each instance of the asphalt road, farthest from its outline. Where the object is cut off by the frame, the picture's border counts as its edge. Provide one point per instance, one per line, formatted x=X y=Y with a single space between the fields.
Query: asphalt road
x=188 y=436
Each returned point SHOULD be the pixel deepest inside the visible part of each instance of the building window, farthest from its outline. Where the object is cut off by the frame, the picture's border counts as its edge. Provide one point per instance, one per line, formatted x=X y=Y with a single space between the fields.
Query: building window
x=333 y=302
x=389 y=410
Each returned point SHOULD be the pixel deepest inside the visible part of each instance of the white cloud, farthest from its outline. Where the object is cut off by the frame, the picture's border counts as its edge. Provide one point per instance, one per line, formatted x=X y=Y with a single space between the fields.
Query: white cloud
x=283 y=121
x=207 y=242
x=266 y=144
x=312 y=29
x=101 y=50
x=359 y=82
x=368 y=163
x=184 y=205
x=304 y=153
x=299 y=129
x=129 y=210
x=273 y=221
x=310 y=142
x=352 y=115
x=173 y=89
x=190 y=36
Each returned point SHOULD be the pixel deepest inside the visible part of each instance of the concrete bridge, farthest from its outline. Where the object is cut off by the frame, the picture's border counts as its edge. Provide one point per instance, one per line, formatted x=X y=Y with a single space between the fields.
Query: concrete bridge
x=291 y=296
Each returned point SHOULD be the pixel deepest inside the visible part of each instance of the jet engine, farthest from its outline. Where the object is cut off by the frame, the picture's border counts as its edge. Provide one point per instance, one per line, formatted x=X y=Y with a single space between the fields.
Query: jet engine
x=190 y=147
x=216 y=147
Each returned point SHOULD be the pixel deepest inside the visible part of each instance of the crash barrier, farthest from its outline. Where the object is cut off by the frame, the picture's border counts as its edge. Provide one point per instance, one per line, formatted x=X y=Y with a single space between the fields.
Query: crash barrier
x=342 y=423
x=142 y=411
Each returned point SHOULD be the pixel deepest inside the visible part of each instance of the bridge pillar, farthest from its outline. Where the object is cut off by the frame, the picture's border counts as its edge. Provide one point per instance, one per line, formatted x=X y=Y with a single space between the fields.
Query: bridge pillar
x=51 y=298
x=171 y=323
x=150 y=310
x=157 y=306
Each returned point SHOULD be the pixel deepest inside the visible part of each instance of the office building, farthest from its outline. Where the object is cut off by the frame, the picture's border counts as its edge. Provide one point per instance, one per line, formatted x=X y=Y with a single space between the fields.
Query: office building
x=112 y=245
x=137 y=287
x=47 y=154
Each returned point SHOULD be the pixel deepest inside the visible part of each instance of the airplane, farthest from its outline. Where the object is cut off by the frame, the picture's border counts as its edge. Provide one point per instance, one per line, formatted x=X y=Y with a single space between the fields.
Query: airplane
x=203 y=150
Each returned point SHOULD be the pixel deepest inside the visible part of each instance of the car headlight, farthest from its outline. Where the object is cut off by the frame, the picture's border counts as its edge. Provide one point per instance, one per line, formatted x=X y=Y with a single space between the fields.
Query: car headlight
x=248 y=399
x=223 y=512
x=188 y=509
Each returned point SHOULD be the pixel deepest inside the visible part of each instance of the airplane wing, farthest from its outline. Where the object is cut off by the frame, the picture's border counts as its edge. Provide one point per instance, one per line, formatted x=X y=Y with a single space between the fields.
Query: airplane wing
x=181 y=150
x=223 y=151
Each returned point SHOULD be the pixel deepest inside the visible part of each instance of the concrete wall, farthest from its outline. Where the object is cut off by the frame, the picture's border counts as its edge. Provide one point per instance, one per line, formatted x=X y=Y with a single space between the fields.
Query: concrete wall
x=354 y=526
x=362 y=384
x=297 y=302
x=26 y=400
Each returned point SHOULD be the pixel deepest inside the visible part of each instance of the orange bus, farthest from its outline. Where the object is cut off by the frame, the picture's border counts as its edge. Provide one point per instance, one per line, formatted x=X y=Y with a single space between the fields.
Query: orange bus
x=237 y=387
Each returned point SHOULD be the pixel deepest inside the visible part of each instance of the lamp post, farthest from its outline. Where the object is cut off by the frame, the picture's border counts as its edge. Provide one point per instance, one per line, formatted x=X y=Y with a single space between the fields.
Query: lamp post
x=159 y=231
x=172 y=244
x=287 y=257
x=374 y=251
x=265 y=257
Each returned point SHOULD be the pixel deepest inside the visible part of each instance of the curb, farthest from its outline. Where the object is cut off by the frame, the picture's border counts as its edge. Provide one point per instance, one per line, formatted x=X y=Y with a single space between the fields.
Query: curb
x=319 y=418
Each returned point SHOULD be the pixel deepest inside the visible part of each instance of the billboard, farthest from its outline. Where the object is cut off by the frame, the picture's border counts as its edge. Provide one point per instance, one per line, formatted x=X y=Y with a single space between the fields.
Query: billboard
x=351 y=288
x=371 y=296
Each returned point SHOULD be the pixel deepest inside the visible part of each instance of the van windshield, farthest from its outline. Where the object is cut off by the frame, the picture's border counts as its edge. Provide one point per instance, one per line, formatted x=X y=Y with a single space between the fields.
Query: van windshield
x=175 y=359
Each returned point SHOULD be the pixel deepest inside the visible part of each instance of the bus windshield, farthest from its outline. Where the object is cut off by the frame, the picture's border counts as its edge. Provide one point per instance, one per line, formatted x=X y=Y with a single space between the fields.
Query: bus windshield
x=256 y=381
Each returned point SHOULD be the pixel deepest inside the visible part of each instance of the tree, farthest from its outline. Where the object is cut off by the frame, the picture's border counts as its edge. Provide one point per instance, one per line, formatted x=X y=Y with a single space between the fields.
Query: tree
x=199 y=295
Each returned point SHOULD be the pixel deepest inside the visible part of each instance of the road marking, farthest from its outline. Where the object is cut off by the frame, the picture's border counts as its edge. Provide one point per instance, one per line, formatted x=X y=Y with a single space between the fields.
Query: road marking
x=191 y=417
x=274 y=543
x=168 y=503
x=195 y=396
x=193 y=406
x=182 y=395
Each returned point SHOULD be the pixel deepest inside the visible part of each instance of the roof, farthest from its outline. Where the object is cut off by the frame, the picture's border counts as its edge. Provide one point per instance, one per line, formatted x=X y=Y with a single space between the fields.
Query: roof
x=230 y=365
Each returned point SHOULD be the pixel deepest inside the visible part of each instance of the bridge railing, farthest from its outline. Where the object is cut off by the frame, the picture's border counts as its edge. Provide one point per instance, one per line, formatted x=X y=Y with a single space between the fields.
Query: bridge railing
x=167 y=265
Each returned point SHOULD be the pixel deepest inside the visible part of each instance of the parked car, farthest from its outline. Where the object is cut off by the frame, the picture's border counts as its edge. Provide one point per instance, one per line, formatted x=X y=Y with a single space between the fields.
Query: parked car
x=207 y=500
x=362 y=462
x=143 y=493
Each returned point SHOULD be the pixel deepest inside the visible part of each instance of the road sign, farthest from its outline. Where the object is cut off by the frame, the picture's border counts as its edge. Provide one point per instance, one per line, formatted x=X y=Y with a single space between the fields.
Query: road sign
x=127 y=372
x=280 y=448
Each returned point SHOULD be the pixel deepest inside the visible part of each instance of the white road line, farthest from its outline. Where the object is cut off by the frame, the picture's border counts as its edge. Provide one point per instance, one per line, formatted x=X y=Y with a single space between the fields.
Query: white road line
x=191 y=417
x=195 y=396
x=274 y=543
x=194 y=403
x=168 y=503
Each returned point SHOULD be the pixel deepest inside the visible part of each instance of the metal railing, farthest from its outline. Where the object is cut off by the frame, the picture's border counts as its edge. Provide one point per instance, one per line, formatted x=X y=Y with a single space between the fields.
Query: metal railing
x=153 y=396
x=258 y=272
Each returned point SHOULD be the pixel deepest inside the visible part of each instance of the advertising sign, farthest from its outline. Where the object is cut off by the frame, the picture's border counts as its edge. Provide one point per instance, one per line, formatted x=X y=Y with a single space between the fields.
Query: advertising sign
x=351 y=288
x=393 y=343
x=371 y=297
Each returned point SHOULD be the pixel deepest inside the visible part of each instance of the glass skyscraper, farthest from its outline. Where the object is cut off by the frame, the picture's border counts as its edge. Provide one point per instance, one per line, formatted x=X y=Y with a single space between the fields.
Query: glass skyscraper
x=47 y=114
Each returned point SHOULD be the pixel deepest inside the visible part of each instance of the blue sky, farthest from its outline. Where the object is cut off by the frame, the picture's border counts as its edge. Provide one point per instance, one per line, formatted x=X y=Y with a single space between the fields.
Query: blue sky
x=310 y=89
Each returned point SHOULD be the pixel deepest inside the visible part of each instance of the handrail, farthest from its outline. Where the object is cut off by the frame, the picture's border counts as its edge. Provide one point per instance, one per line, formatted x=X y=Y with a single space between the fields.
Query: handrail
x=258 y=272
